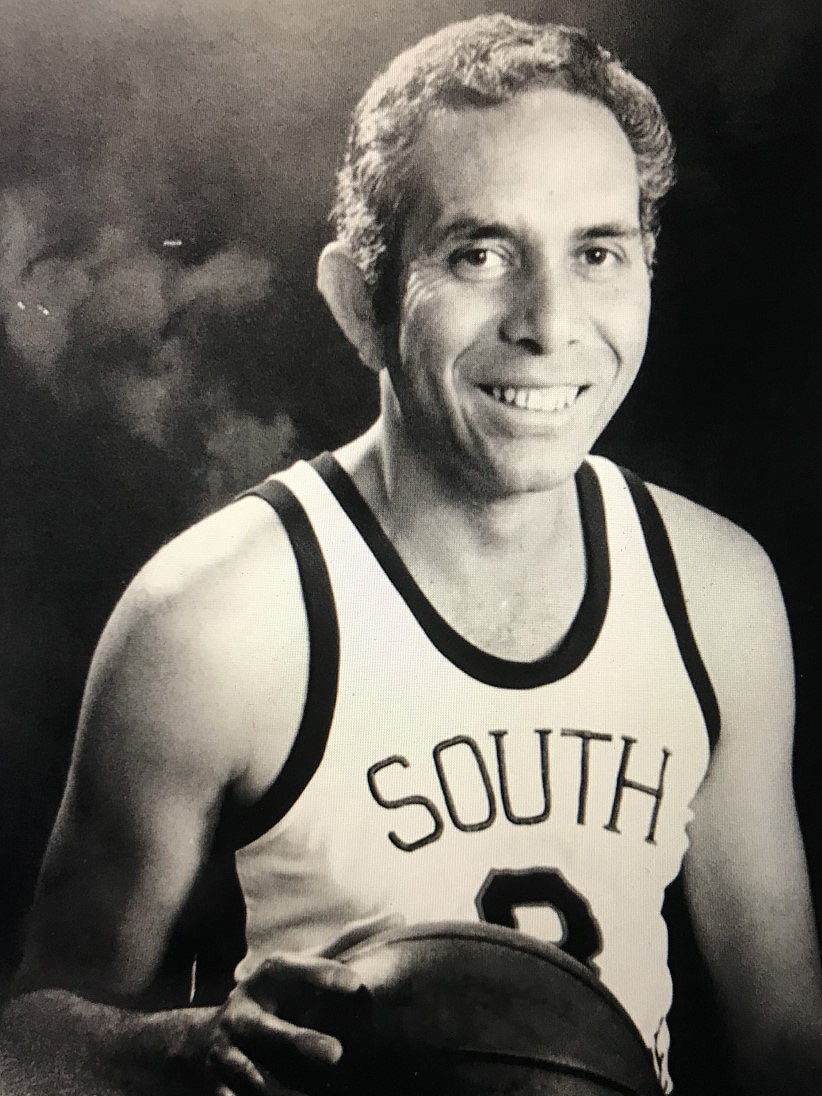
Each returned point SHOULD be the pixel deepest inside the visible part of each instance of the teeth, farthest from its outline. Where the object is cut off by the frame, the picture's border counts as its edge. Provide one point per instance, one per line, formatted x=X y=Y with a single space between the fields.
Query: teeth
x=556 y=397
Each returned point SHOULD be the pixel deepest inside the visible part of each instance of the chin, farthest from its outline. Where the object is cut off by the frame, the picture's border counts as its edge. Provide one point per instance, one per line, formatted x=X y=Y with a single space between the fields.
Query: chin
x=508 y=478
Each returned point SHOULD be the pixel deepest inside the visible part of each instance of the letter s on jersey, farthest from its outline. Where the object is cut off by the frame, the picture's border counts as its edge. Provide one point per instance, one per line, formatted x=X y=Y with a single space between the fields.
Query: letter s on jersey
x=404 y=801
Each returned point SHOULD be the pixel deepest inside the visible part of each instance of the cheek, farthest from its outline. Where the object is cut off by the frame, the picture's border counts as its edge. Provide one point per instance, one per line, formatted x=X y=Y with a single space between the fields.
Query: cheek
x=625 y=320
x=440 y=318
x=635 y=334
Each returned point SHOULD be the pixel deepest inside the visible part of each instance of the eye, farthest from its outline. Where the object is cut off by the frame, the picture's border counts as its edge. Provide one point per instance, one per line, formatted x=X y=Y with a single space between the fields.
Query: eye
x=477 y=256
x=478 y=263
x=599 y=257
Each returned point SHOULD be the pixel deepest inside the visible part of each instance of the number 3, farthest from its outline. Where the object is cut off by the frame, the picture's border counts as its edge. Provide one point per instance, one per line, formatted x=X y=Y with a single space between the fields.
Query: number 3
x=504 y=891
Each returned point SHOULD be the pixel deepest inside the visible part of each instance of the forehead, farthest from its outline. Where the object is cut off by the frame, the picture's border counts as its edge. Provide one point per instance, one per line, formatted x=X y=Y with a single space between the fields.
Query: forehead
x=547 y=160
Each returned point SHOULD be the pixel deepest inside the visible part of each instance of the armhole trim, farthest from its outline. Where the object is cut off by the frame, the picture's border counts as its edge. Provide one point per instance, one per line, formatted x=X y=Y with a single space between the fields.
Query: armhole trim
x=666 y=572
x=241 y=827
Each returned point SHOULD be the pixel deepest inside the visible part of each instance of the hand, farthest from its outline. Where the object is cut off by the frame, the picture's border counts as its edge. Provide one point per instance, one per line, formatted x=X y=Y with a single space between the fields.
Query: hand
x=253 y=1044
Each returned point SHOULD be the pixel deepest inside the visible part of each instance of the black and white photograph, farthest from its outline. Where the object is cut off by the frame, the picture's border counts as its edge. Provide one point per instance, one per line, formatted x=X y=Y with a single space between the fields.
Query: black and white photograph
x=409 y=629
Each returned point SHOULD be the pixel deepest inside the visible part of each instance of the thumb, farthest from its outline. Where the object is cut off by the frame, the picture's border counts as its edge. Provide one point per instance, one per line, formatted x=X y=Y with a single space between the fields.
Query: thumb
x=364 y=930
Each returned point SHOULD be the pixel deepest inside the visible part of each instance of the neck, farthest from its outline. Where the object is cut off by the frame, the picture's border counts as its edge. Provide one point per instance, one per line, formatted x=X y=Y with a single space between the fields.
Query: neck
x=507 y=574
x=415 y=503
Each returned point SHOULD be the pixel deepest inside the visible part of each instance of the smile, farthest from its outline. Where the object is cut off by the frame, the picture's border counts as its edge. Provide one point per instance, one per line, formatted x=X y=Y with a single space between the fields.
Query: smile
x=552 y=398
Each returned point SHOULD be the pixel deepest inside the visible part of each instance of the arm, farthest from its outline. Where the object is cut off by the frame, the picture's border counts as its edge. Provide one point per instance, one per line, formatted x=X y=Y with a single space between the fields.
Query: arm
x=164 y=733
x=745 y=873
x=199 y=653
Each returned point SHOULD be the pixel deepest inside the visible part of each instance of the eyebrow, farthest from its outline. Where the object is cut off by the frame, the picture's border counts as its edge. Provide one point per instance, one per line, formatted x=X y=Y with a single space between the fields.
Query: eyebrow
x=613 y=230
x=470 y=228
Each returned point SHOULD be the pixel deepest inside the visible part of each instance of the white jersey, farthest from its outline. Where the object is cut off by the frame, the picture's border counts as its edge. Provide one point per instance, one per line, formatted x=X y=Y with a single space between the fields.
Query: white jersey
x=434 y=780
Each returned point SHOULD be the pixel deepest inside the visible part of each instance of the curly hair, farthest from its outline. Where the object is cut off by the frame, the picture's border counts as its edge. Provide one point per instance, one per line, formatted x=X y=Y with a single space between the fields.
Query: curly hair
x=481 y=62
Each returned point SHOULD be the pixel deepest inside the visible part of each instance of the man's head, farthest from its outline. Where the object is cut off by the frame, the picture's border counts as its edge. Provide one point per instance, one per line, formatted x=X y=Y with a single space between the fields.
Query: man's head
x=481 y=62
x=495 y=231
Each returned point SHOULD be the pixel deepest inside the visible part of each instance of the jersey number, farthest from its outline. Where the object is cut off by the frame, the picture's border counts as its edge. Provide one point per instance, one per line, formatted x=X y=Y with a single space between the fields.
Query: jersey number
x=504 y=892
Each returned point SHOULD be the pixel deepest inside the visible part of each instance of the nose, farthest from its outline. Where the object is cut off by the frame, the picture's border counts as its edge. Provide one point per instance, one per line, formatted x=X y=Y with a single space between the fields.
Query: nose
x=541 y=315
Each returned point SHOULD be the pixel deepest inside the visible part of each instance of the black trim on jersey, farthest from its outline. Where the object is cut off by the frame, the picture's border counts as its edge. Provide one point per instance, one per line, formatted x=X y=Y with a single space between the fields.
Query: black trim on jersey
x=665 y=569
x=241 y=826
x=479 y=664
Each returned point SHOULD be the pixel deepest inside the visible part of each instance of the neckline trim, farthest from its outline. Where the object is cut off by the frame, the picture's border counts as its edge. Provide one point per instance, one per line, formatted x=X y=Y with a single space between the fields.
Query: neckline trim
x=476 y=663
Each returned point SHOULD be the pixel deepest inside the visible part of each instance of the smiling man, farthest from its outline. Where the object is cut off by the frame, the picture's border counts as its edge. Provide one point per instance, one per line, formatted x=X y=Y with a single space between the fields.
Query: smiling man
x=525 y=293
x=459 y=669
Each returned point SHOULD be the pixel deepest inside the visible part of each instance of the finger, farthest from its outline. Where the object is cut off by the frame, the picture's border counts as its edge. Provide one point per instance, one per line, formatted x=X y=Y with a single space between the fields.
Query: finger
x=235 y=1072
x=289 y=985
x=276 y=1089
x=316 y=1045
x=378 y=926
x=267 y=1038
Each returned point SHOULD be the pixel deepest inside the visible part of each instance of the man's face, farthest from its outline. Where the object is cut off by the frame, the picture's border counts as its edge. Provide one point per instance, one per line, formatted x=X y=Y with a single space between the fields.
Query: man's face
x=524 y=291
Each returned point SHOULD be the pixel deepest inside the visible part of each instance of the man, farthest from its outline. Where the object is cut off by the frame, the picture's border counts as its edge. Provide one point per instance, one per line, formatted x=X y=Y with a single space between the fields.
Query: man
x=449 y=672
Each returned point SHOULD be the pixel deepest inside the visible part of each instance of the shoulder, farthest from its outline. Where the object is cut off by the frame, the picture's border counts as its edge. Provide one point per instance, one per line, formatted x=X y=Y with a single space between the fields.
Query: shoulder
x=195 y=694
x=218 y=554
x=719 y=562
x=734 y=603
x=208 y=645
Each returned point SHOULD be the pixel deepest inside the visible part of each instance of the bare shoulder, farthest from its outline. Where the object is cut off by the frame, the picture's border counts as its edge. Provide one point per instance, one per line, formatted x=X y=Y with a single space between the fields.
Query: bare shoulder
x=224 y=553
x=709 y=548
x=735 y=606
x=211 y=638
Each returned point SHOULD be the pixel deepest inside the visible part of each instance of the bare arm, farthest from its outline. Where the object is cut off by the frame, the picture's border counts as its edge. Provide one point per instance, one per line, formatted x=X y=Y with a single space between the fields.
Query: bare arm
x=164 y=734
x=194 y=694
x=745 y=873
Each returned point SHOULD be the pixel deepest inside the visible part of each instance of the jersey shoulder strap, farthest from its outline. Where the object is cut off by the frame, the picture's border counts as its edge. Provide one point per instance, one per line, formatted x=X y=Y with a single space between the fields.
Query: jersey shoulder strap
x=666 y=572
x=241 y=828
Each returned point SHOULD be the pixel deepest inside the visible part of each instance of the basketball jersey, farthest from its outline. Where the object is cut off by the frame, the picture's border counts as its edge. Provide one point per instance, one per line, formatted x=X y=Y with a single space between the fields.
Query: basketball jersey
x=437 y=781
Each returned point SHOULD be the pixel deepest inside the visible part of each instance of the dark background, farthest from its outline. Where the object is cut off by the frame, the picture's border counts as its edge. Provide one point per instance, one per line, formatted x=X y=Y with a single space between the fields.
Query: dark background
x=165 y=176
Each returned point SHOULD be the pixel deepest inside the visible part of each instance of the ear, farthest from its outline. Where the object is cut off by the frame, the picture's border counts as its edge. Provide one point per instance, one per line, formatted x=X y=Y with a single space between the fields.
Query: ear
x=347 y=294
x=649 y=248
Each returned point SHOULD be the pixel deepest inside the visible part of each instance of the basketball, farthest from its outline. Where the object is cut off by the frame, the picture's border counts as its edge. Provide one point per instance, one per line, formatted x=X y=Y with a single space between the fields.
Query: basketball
x=456 y=1009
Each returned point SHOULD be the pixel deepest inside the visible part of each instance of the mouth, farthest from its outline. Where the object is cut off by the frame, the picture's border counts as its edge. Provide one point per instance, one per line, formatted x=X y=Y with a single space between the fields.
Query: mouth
x=550 y=398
